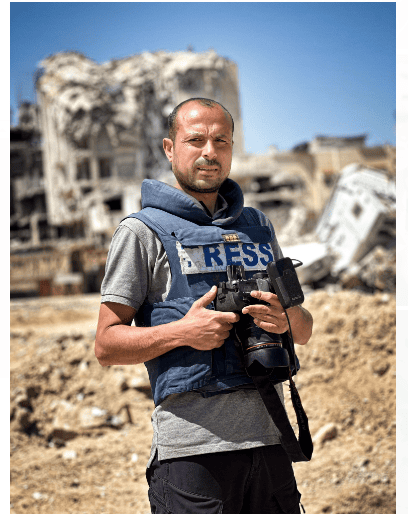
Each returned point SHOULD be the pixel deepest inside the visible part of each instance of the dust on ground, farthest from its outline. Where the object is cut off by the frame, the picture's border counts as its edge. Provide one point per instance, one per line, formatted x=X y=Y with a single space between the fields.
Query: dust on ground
x=81 y=434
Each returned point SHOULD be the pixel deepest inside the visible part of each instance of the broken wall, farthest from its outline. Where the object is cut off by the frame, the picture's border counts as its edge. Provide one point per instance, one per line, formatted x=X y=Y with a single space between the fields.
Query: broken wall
x=28 y=214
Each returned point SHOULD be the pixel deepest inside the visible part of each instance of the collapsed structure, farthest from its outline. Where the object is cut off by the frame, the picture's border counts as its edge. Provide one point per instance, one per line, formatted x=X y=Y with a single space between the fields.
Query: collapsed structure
x=354 y=239
x=78 y=159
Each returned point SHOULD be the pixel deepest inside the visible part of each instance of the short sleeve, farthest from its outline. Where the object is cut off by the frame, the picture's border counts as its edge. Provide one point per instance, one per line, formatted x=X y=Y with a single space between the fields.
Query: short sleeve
x=137 y=267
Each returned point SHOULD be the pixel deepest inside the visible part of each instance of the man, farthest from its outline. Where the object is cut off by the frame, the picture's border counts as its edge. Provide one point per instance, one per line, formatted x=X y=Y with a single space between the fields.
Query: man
x=215 y=448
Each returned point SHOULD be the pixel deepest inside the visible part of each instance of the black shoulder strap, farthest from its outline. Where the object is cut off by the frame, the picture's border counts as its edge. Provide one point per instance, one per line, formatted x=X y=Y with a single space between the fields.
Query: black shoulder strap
x=297 y=450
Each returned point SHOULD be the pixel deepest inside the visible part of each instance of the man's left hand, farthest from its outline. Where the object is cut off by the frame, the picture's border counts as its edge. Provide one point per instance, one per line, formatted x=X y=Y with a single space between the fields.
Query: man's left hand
x=272 y=317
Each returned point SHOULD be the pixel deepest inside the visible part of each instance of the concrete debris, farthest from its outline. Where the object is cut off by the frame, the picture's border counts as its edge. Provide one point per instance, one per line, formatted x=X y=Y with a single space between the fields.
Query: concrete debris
x=379 y=367
x=21 y=419
x=307 y=174
x=70 y=420
x=69 y=455
x=59 y=437
x=377 y=270
x=39 y=496
x=121 y=380
x=115 y=93
x=69 y=384
x=353 y=333
x=293 y=230
x=141 y=381
x=64 y=417
x=325 y=433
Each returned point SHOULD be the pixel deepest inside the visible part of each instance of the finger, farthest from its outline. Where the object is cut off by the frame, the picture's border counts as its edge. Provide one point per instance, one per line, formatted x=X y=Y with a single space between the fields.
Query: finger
x=264 y=296
x=268 y=317
x=225 y=330
x=225 y=318
x=229 y=317
x=262 y=310
x=269 y=327
x=207 y=298
x=279 y=320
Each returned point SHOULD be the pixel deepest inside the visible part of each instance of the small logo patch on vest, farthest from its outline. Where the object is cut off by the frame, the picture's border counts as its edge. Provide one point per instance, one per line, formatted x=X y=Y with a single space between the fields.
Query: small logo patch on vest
x=231 y=238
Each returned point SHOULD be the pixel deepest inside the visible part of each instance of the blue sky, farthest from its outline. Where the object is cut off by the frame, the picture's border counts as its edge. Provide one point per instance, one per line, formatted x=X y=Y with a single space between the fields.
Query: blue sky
x=305 y=69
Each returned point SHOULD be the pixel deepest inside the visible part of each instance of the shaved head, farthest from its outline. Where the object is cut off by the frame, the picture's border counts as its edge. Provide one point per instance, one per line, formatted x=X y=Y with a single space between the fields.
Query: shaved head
x=172 y=119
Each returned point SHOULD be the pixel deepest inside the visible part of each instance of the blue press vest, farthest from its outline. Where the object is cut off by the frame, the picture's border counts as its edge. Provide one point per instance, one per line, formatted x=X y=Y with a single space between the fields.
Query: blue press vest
x=199 y=249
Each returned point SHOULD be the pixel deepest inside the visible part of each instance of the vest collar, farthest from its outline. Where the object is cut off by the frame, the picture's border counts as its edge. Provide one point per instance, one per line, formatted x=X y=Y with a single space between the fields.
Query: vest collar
x=174 y=201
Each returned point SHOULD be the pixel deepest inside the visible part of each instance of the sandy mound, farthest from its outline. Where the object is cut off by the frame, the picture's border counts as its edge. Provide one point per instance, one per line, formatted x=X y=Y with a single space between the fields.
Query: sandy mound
x=80 y=433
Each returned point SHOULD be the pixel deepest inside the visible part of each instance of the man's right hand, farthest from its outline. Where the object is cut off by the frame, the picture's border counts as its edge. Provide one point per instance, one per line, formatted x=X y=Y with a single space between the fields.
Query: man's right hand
x=118 y=343
x=206 y=329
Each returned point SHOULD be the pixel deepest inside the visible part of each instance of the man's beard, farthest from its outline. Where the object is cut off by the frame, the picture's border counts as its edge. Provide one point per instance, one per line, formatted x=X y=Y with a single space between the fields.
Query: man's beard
x=188 y=185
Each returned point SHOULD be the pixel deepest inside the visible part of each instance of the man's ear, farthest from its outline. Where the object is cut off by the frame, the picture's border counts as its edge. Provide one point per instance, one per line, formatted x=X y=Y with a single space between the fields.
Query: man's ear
x=168 y=148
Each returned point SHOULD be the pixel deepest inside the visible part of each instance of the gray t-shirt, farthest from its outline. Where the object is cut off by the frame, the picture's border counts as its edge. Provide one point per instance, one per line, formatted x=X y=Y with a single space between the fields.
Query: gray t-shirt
x=184 y=424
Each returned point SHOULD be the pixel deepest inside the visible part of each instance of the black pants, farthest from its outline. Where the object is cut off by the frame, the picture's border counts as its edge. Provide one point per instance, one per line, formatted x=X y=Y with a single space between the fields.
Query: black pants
x=255 y=481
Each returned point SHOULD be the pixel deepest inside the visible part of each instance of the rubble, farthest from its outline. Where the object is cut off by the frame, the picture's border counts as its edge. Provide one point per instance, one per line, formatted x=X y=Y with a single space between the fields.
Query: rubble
x=69 y=455
x=305 y=176
x=79 y=156
x=65 y=383
x=359 y=216
x=376 y=271
x=325 y=433
x=95 y=434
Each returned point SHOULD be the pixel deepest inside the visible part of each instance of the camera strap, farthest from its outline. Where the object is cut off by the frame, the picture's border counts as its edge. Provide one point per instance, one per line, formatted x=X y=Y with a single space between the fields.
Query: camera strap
x=297 y=450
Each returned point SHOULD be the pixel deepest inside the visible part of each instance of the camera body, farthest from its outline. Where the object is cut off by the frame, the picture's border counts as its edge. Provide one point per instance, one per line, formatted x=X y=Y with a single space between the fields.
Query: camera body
x=280 y=278
x=264 y=353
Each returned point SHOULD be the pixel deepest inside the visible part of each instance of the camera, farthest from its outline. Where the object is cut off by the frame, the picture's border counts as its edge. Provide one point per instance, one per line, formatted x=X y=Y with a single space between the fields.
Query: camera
x=263 y=353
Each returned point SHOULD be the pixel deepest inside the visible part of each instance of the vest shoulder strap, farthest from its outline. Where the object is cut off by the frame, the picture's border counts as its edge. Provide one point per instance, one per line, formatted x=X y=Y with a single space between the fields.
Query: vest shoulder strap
x=251 y=215
x=159 y=221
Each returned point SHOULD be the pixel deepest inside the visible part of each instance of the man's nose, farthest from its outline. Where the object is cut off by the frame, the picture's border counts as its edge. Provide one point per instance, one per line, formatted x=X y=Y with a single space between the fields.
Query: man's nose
x=209 y=151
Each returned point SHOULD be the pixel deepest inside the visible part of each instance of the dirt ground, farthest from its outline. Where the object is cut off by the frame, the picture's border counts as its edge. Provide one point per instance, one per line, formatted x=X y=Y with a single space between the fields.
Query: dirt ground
x=80 y=434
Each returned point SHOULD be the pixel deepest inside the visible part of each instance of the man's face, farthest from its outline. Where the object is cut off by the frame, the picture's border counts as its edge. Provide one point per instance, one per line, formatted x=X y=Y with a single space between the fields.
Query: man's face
x=202 y=151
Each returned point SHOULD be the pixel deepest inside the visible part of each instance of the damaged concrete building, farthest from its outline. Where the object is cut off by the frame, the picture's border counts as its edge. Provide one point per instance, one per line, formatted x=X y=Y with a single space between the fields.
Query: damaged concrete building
x=103 y=126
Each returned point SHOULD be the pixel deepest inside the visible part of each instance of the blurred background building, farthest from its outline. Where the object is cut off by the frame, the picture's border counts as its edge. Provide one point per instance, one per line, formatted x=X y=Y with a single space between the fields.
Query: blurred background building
x=78 y=158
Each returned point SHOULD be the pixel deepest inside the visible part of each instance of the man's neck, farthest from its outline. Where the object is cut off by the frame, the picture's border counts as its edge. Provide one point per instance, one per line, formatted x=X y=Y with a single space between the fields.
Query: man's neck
x=209 y=203
x=211 y=214
x=208 y=199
